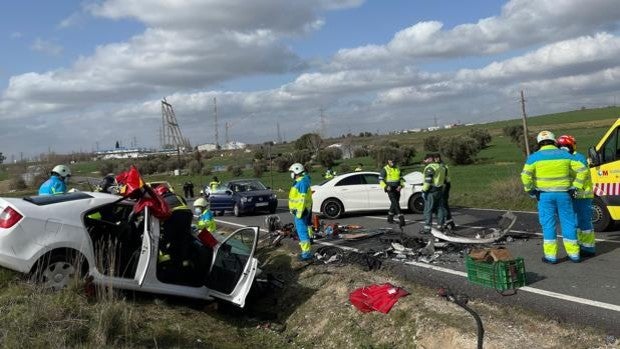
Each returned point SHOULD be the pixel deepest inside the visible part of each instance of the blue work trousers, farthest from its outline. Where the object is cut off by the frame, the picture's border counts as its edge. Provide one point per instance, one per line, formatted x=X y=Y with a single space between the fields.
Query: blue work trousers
x=552 y=205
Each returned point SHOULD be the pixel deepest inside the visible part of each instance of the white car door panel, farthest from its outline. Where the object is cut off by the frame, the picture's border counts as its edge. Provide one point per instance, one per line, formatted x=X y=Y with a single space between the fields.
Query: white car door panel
x=146 y=251
x=352 y=192
x=377 y=198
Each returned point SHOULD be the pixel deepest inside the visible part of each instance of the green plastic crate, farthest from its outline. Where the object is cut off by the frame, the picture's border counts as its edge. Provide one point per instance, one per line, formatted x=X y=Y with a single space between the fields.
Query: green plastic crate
x=500 y=275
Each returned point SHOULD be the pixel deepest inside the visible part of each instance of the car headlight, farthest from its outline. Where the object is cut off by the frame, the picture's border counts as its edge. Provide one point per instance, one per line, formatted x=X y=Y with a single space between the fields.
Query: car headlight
x=244 y=199
x=273 y=197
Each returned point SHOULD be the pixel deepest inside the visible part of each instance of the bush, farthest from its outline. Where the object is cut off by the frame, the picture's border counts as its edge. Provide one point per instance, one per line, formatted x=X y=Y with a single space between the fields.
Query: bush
x=360 y=152
x=206 y=171
x=235 y=170
x=301 y=156
x=401 y=156
x=17 y=183
x=516 y=136
x=460 y=150
x=483 y=137
x=282 y=163
x=344 y=168
x=107 y=167
x=195 y=167
x=431 y=143
x=259 y=168
x=259 y=153
x=327 y=157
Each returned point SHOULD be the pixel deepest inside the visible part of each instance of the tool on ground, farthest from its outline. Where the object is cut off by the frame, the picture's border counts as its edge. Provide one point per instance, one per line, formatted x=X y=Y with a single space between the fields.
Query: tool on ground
x=483 y=236
x=276 y=231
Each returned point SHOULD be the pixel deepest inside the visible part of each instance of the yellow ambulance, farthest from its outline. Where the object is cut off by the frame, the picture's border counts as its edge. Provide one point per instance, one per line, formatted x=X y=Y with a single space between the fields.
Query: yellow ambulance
x=605 y=170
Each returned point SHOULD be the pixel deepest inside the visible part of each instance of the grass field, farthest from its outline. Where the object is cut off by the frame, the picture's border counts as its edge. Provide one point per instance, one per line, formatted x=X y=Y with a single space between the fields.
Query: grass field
x=497 y=166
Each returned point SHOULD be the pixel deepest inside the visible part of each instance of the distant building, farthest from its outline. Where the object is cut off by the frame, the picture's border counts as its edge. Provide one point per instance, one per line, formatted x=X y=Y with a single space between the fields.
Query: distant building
x=207 y=147
x=122 y=153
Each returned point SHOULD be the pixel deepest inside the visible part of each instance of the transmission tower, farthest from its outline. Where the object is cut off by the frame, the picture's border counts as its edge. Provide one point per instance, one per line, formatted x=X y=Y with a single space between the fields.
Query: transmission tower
x=279 y=134
x=171 y=135
x=217 y=140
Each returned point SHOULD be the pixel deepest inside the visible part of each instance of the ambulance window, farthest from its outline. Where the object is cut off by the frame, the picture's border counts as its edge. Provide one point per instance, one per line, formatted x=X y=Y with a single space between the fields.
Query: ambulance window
x=611 y=151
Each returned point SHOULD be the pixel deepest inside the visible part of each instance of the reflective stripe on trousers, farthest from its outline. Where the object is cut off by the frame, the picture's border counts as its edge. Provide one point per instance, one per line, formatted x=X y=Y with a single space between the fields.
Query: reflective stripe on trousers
x=301 y=225
x=560 y=204
x=585 y=231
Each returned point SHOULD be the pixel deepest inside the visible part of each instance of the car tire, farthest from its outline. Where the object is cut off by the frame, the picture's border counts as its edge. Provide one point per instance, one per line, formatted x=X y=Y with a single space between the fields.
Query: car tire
x=332 y=208
x=272 y=209
x=237 y=210
x=57 y=270
x=416 y=203
x=601 y=220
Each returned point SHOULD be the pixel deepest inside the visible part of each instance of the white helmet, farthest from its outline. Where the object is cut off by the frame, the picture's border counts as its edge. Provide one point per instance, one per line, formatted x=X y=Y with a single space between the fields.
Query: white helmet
x=296 y=168
x=544 y=136
x=201 y=202
x=62 y=170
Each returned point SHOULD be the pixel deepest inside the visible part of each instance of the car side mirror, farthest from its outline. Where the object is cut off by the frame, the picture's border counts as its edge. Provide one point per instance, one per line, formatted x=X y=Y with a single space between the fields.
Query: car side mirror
x=229 y=192
x=594 y=157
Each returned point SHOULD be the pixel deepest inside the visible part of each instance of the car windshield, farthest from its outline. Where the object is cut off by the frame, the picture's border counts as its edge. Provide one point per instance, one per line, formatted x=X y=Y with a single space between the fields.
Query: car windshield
x=249 y=185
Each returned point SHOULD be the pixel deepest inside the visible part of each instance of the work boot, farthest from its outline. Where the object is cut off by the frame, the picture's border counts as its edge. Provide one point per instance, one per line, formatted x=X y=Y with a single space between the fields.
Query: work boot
x=545 y=260
x=450 y=224
x=401 y=220
x=305 y=256
x=390 y=219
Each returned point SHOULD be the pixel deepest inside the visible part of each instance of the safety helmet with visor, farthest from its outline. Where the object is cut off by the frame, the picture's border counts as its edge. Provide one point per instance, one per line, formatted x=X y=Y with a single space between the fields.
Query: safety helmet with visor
x=62 y=170
x=296 y=169
x=200 y=205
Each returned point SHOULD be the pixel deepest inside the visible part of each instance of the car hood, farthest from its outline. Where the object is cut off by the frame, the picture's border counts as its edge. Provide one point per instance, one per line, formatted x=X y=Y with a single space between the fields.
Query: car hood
x=415 y=178
x=265 y=192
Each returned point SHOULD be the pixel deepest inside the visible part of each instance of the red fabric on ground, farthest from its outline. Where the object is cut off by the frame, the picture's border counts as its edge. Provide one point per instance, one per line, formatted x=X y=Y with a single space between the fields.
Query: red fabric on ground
x=376 y=297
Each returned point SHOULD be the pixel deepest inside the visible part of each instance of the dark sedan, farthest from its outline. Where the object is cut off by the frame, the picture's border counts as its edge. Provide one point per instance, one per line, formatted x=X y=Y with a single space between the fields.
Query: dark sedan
x=243 y=196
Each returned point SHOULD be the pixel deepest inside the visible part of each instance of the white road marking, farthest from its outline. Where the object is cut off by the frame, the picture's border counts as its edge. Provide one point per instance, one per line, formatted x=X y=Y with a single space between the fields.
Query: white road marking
x=565 y=297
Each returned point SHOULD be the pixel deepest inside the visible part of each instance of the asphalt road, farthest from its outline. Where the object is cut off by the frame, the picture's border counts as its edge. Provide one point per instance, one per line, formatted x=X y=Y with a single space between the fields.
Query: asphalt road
x=583 y=293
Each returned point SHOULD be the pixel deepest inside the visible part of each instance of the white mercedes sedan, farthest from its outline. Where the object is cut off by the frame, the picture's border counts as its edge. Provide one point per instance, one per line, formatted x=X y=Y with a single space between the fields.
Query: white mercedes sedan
x=361 y=192
x=56 y=238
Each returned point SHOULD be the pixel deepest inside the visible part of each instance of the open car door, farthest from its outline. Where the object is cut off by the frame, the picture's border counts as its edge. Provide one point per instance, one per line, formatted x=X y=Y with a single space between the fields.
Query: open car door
x=233 y=269
x=146 y=251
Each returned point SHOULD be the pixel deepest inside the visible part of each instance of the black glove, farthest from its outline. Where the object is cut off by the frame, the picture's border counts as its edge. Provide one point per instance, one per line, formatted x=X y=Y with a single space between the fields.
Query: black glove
x=534 y=194
x=572 y=192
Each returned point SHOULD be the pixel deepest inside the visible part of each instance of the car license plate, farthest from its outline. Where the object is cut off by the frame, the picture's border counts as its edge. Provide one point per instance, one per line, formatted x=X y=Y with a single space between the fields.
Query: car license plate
x=261 y=204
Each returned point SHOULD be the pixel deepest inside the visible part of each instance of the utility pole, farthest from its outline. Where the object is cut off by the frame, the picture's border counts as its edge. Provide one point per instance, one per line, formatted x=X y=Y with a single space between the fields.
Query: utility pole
x=323 y=128
x=227 y=125
x=525 y=133
x=279 y=134
x=217 y=141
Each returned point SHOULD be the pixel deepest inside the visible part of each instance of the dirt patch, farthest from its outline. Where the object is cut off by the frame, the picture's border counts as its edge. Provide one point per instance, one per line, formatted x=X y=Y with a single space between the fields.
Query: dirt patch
x=4 y=186
x=321 y=316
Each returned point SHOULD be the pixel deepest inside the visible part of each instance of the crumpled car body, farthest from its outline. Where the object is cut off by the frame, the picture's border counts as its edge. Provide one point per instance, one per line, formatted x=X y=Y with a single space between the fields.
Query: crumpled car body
x=55 y=238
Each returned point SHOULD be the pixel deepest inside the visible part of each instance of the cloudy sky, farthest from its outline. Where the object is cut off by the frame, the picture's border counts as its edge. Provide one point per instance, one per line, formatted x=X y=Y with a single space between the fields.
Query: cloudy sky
x=81 y=75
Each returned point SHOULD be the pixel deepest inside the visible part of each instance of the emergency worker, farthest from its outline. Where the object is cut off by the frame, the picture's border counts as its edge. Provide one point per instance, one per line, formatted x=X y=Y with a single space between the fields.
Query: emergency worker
x=359 y=167
x=392 y=182
x=176 y=230
x=329 y=173
x=446 y=192
x=300 y=205
x=214 y=183
x=205 y=222
x=433 y=192
x=582 y=202
x=57 y=183
x=552 y=176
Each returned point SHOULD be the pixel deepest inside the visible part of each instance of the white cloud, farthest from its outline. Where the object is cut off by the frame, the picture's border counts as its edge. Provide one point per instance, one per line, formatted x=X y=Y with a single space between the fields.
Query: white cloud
x=47 y=47
x=190 y=48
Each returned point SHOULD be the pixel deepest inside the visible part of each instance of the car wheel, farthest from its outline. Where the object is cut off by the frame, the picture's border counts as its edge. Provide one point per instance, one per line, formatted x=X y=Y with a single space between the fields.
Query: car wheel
x=416 y=203
x=601 y=220
x=237 y=210
x=332 y=208
x=56 y=271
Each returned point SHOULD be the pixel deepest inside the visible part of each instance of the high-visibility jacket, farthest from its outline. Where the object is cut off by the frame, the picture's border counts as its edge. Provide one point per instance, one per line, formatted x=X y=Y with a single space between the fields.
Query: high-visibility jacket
x=300 y=196
x=206 y=220
x=434 y=176
x=53 y=186
x=213 y=185
x=587 y=192
x=551 y=169
x=329 y=174
x=390 y=176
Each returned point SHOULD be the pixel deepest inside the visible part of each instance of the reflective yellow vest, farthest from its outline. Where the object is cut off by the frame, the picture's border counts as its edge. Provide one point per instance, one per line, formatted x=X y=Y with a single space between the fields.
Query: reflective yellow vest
x=390 y=176
x=300 y=196
x=434 y=176
x=553 y=170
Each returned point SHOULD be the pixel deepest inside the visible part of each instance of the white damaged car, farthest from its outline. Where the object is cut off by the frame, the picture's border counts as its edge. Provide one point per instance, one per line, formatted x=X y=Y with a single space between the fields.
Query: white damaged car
x=54 y=238
x=361 y=192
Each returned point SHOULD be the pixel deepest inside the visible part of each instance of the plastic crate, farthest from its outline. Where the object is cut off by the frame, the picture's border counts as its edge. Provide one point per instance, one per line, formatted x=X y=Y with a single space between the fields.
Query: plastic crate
x=500 y=275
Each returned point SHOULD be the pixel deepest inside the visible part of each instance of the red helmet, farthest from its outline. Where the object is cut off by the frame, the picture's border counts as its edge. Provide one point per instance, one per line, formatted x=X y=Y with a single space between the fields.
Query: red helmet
x=567 y=141
x=161 y=189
